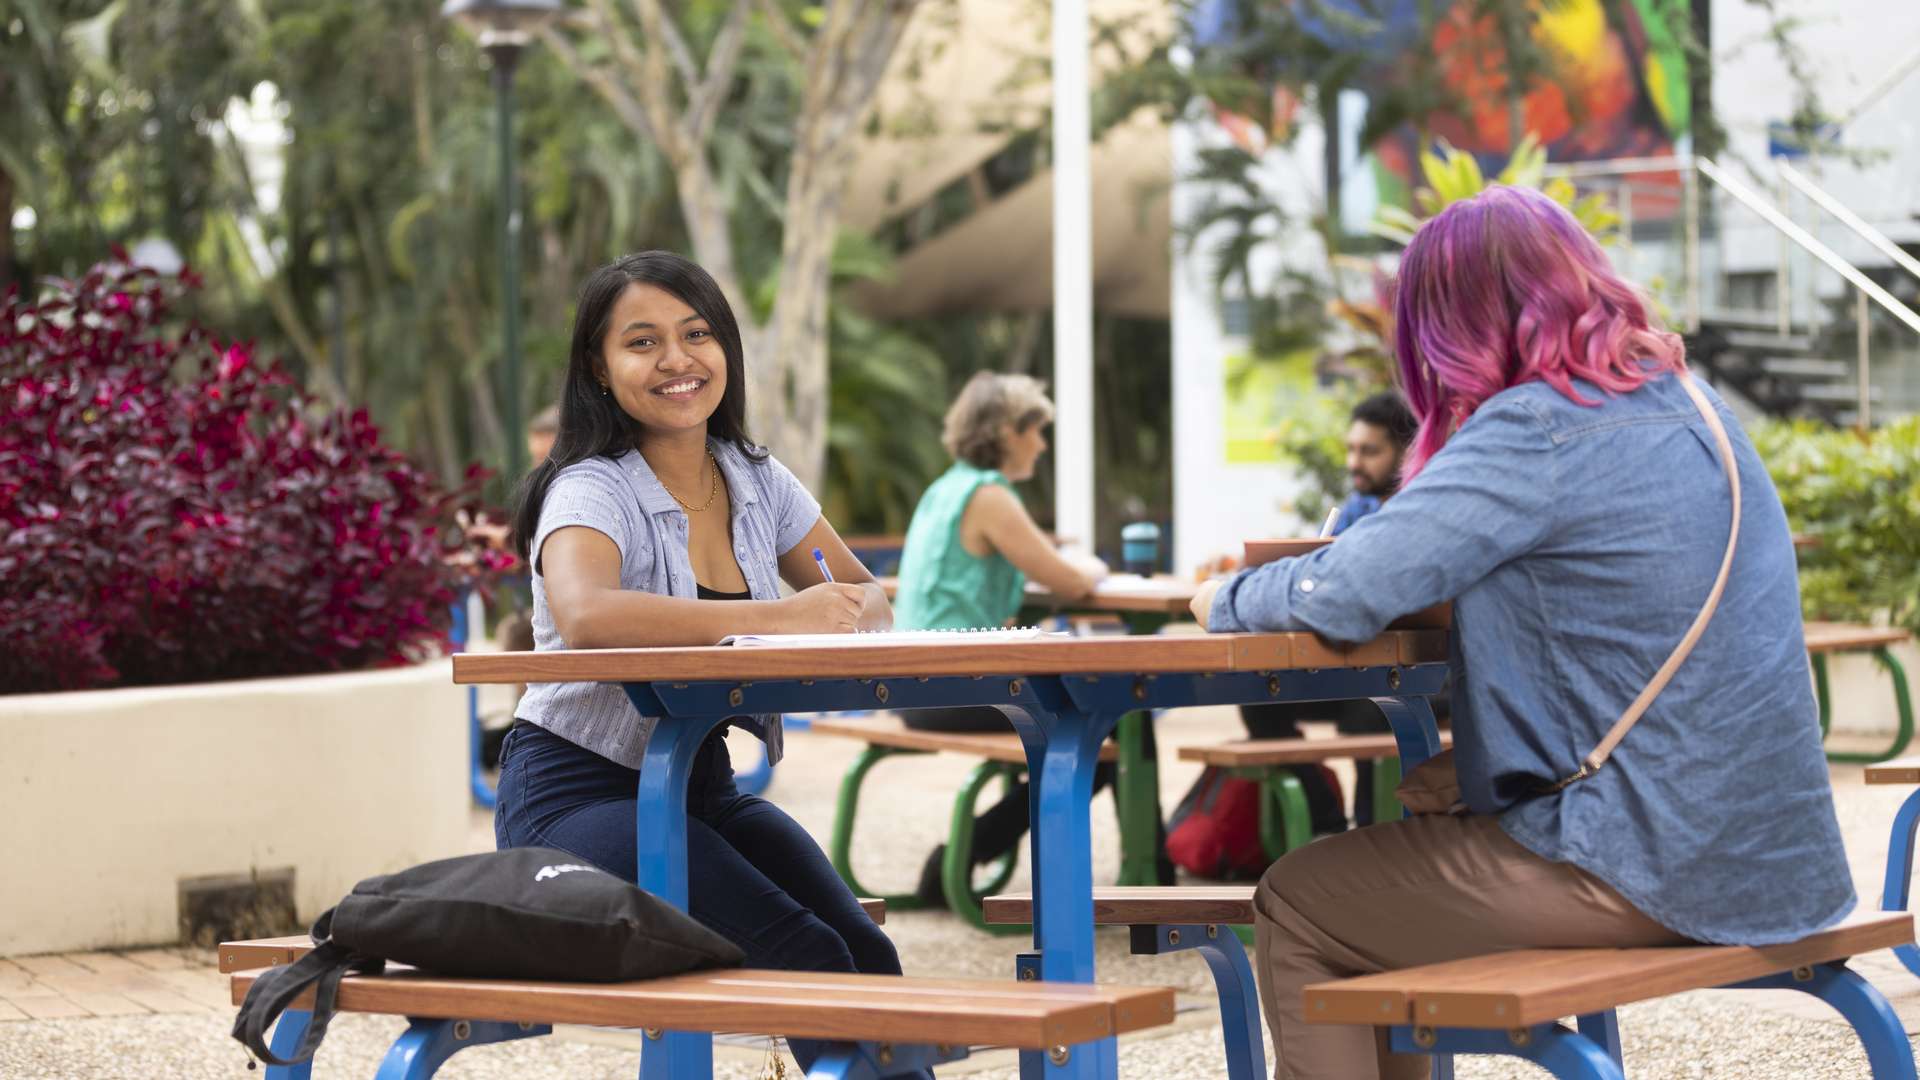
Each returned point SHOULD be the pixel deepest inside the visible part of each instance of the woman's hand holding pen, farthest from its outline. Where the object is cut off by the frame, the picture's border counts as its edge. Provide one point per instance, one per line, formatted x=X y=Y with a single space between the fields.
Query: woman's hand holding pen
x=826 y=608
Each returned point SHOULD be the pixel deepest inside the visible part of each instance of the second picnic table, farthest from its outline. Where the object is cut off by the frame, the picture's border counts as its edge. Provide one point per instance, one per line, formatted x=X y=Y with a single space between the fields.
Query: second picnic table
x=1144 y=605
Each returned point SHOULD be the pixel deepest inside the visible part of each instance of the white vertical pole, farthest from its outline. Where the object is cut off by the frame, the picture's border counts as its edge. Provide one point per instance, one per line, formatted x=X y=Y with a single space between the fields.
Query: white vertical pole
x=1072 y=277
x=1863 y=325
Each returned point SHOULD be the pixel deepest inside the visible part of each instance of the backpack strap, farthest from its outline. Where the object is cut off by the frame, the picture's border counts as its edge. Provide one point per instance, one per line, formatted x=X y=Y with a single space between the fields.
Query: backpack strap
x=1593 y=761
x=275 y=989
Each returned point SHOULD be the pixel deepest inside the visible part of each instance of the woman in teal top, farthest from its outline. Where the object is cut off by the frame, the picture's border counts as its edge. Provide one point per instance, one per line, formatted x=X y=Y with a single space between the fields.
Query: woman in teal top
x=943 y=585
x=972 y=545
x=970 y=550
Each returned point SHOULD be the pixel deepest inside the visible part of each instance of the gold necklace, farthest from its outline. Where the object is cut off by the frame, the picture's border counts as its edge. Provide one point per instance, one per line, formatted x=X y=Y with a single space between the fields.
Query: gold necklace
x=712 y=493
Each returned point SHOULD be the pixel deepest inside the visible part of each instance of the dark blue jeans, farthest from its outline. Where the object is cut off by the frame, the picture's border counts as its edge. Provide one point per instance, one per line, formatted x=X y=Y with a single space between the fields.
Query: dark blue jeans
x=754 y=875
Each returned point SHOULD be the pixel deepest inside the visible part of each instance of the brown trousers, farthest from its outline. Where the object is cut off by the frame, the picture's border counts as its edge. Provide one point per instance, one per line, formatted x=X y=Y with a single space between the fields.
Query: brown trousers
x=1405 y=893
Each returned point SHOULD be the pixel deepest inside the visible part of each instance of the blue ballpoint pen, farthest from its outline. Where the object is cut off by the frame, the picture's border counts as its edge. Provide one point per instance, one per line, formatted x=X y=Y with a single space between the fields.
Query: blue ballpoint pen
x=822 y=560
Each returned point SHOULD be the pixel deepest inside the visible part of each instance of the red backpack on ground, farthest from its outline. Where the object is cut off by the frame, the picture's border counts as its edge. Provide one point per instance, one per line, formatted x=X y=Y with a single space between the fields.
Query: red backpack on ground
x=1215 y=831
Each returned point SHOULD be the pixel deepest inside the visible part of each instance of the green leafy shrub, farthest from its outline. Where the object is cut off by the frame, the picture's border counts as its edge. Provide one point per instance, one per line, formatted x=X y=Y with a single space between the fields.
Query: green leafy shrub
x=1860 y=495
x=1312 y=437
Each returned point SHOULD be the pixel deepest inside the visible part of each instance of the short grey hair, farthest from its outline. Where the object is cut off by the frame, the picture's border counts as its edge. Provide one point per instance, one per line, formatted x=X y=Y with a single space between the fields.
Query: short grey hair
x=987 y=405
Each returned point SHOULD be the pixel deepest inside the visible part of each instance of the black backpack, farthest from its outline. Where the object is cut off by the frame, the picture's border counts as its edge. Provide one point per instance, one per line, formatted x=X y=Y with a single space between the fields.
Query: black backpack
x=523 y=913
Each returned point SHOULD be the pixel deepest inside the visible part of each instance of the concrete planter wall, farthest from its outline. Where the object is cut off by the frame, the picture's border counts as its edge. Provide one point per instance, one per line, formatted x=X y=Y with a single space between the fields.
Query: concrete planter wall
x=109 y=798
x=1863 y=693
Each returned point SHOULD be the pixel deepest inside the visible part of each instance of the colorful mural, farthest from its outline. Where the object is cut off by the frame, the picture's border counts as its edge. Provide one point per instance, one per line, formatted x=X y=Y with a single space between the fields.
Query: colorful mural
x=1617 y=87
x=1615 y=84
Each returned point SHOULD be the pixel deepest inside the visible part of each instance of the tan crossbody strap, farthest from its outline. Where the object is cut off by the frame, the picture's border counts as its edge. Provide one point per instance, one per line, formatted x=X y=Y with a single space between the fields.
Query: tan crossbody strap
x=1593 y=761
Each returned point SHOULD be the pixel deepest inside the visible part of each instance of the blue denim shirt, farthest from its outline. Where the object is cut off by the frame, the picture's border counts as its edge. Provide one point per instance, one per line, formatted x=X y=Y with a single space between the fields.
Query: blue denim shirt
x=1577 y=544
x=1356 y=507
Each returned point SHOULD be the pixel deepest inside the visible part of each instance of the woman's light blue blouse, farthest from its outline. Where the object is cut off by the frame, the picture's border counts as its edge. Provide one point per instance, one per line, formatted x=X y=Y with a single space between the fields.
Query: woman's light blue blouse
x=620 y=497
x=1577 y=544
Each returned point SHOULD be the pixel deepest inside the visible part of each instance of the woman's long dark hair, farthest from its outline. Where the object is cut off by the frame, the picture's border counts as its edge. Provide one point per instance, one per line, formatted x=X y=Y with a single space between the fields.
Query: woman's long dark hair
x=592 y=424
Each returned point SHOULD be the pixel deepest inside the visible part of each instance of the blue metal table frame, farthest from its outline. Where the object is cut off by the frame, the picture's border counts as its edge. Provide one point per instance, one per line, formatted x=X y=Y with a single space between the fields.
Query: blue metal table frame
x=1061 y=719
x=457 y=636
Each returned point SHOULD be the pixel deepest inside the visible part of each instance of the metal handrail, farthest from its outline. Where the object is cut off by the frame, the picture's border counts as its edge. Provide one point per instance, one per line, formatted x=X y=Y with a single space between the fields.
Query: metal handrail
x=1691 y=168
x=1576 y=170
x=1869 y=289
x=1808 y=242
x=1851 y=220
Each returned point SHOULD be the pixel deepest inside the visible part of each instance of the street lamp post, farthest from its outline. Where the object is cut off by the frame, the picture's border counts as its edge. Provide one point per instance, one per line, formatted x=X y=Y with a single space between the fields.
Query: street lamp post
x=505 y=28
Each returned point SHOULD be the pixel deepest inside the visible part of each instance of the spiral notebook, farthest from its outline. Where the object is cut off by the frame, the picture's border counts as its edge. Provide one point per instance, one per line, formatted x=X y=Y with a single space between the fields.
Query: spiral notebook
x=895 y=637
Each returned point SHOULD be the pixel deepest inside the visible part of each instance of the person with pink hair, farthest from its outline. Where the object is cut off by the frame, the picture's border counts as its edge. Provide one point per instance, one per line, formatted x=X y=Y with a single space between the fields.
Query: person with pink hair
x=1572 y=490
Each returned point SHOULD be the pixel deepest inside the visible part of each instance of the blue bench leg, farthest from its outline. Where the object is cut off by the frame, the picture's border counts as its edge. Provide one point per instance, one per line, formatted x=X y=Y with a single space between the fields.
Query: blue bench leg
x=676 y=1055
x=1561 y=1051
x=1232 y=979
x=427 y=1044
x=1889 y=1054
x=1033 y=1063
x=876 y=1061
x=1895 y=890
x=1604 y=1029
x=287 y=1034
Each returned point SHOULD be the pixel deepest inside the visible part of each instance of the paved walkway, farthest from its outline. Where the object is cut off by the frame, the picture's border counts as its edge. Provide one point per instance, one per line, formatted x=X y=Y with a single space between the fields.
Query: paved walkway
x=165 y=1012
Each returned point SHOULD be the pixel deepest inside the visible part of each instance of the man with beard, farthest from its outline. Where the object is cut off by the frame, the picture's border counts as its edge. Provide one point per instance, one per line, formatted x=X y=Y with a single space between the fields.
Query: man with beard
x=1377 y=439
x=1381 y=429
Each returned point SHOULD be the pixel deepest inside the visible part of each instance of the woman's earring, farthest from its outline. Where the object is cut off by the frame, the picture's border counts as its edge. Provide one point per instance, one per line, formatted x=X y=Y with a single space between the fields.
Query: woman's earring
x=605 y=390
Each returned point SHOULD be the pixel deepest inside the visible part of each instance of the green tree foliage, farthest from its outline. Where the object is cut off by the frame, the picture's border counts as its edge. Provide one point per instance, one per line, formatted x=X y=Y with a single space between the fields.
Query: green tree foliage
x=98 y=129
x=371 y=262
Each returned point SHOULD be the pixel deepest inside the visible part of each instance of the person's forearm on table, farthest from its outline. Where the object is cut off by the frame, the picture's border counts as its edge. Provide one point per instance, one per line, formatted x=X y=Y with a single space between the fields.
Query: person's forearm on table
x=630 y=618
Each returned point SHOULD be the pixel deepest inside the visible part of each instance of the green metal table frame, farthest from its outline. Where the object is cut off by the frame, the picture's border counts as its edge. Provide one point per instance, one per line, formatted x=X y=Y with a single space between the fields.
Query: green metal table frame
x=1902 y=700
x=956 y=869
x=1136 y=804
x=1136 y=788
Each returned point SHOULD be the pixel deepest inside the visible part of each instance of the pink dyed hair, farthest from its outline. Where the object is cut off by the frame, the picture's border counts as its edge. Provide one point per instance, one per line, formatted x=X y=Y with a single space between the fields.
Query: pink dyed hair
x=1506 y=288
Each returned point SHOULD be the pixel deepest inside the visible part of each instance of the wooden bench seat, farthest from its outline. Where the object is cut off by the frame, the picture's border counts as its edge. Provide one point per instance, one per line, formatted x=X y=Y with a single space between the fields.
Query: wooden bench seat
x=1261 y=753
x=1831 y=637
x=1900 y=771
x=1181 y=918
x=891 y=733
x=1458 y=1006
x=1001 y=755
x=951 y=1012
x=1534 y=986
x=1121 y=905
x=1285 y=821
x=1825 y=639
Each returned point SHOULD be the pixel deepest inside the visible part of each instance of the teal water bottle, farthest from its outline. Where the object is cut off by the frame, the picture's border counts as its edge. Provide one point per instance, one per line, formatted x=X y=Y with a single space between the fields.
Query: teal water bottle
x=1140 y=548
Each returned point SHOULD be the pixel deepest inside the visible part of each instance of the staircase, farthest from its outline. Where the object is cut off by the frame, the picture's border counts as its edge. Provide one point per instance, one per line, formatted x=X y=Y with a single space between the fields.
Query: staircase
x=1778 y=317
x=1802 y=373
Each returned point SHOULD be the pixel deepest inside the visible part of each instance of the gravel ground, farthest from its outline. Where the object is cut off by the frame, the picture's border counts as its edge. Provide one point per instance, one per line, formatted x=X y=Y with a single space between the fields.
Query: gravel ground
x=1709 y=1034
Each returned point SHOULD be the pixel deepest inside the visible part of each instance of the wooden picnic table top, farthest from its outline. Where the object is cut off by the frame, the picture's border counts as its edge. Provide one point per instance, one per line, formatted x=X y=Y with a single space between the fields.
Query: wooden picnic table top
x=868 y=657
x=1120 y=593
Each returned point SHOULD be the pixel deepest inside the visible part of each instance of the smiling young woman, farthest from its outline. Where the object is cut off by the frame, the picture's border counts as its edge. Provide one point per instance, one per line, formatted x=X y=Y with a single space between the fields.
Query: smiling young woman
x=657 y=521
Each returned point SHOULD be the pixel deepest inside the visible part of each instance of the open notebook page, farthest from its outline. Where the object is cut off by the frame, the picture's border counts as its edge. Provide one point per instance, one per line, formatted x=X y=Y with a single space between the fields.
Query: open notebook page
x=893 y=637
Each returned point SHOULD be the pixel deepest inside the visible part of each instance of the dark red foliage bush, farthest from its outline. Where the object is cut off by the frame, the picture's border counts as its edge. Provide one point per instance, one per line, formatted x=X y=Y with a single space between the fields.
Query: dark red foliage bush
x=173 y=511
